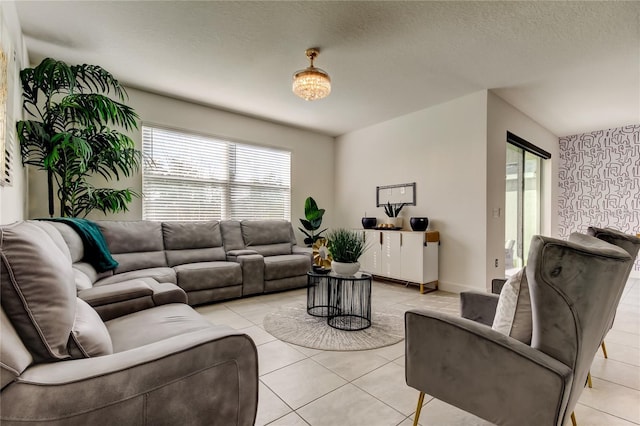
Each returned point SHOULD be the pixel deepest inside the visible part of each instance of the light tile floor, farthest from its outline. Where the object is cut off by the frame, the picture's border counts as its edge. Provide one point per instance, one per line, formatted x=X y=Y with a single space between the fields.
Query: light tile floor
x=301 y=386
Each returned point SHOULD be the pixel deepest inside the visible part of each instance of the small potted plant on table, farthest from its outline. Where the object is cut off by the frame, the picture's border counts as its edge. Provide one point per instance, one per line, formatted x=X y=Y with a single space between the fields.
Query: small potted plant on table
x=345 y=246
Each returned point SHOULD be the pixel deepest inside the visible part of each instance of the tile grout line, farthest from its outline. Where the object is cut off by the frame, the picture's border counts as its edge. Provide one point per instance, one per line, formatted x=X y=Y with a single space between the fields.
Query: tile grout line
x=608 y=414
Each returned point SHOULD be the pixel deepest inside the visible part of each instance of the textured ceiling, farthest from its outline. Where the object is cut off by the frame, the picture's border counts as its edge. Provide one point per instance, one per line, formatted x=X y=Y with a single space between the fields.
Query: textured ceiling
x=572 y=66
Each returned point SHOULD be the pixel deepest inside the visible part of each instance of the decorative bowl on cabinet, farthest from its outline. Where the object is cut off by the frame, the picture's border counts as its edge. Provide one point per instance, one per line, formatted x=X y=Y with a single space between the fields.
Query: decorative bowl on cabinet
x=419 y=223
x=369 y=222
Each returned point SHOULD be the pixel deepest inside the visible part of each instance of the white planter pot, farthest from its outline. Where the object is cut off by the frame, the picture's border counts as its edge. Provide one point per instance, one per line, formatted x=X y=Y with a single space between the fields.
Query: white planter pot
x=345 y=268
x=395 y=221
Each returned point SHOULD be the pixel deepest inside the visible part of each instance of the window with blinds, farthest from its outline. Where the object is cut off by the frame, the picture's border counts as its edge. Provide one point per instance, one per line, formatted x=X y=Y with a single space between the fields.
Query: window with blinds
x=192 y=177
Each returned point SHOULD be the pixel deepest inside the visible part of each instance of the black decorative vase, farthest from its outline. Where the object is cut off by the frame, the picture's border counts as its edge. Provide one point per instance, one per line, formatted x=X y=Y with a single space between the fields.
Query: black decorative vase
x=369 y=222
x=419 y=223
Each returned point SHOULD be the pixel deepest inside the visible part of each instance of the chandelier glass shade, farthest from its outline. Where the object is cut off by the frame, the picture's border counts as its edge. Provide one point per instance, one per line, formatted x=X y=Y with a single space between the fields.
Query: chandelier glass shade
x=311 y=83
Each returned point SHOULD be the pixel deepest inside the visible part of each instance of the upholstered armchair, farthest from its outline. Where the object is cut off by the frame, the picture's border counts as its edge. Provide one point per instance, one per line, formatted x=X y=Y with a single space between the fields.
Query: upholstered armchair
x=631 y=245
x=481 y=307
x=574 y=288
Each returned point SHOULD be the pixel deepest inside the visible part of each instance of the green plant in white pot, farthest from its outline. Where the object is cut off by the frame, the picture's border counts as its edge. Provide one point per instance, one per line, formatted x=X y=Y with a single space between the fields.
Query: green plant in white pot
x=345 y=246
x=393 y=211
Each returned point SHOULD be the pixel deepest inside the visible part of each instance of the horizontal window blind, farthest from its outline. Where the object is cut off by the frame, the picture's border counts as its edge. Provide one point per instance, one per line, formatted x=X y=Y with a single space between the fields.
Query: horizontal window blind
x=192 y=177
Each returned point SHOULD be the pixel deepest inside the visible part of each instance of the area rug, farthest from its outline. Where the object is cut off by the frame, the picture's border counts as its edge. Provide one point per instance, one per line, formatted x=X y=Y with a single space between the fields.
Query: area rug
x=292 y=324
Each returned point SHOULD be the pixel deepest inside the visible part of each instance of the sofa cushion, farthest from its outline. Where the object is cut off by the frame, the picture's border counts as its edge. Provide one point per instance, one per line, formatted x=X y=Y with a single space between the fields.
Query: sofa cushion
x=513 y=313
x=162 y=275
x=231 y=235
x=153 y=325
x=139 y=260
x=205 y=275
x=82 y=280
x=90 y=336
x=38 y=290
x=72 y=239
x=191 y=242
x=55 y=235
x=262 y=232
x=277 y=267
x=14 y=356
x=273 y=249
x=134 y=244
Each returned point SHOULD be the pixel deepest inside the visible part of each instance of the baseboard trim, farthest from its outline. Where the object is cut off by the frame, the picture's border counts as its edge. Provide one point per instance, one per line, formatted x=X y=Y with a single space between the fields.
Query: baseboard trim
x=456 y=288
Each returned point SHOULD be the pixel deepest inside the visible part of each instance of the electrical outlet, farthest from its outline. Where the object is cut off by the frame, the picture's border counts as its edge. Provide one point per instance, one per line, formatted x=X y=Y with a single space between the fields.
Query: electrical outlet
x=496 y=263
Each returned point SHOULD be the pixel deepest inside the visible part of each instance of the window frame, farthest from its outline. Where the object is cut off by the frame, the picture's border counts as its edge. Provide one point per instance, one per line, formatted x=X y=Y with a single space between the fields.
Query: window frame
x=224 y=192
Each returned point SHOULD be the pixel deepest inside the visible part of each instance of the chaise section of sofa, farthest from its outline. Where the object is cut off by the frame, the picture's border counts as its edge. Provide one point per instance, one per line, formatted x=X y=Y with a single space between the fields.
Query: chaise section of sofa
x=115 y=295
x=61 y=364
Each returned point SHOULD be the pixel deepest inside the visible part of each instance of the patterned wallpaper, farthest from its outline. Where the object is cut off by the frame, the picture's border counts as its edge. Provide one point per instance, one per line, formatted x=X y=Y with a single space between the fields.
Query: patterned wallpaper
x=599 y=182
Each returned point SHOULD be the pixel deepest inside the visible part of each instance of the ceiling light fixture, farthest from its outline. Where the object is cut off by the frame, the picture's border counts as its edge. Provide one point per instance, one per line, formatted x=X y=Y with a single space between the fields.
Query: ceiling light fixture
x=311 y=83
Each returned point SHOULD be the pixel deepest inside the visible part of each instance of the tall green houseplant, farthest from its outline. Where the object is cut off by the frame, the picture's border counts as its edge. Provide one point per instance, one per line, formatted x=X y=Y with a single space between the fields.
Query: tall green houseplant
x=76 y=131
x=312 y=221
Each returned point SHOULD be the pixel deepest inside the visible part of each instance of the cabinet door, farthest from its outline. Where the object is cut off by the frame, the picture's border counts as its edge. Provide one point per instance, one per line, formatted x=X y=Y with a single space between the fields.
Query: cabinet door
x=411 y=256
x=391 y=254
x=370 y=261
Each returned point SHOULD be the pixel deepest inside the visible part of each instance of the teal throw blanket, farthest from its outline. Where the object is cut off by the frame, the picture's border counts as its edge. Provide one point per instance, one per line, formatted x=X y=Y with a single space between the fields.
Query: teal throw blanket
x=96 y=251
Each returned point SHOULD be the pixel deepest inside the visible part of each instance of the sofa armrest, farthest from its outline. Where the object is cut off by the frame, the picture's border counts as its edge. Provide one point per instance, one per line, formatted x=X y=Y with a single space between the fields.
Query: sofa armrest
x=241 y=252
x=113 y=293
x=161 y=382
x=115 y=300
x=303 y=250
x=252 y=265
x=479 y=370
x=478 y=307
x=497 y=284
x=166 y=293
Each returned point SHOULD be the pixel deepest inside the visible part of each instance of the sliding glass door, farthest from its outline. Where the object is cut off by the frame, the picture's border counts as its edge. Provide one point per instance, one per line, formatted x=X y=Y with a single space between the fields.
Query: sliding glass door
x=522 y=205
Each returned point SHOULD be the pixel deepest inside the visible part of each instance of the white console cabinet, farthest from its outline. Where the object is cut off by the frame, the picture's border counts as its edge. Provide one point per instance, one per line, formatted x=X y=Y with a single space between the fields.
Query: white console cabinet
x=402 y=255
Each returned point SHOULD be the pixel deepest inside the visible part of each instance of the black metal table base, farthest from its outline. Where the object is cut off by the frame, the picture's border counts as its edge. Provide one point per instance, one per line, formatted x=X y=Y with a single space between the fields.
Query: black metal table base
x=318 y=295
x=348 y=322
x=344 y=300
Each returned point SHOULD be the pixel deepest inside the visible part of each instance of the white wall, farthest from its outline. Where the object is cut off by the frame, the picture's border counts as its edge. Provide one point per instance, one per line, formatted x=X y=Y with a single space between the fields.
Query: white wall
x=312 y=172
x=12 y=198
x=443 y=150
x=502 y=117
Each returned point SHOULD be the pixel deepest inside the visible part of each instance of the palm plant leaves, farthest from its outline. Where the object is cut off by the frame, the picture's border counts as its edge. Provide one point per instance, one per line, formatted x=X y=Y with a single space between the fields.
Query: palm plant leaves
x=70 y=135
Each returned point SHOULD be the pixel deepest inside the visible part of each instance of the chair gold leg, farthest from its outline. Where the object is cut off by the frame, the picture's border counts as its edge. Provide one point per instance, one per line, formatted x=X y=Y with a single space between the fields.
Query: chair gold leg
x=589 y=380
x=604 y=350
x=573 y=419
x=420 y=400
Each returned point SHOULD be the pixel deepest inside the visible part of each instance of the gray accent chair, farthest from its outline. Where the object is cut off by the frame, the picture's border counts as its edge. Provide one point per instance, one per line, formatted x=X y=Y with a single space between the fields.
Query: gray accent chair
x=481 y=307
x=631 y=244
x=61 y=364
x=574 y=287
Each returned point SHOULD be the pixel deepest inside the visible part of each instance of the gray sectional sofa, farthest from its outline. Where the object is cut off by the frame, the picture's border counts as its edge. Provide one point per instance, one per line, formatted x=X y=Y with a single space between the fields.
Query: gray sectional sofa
x=197 y=262
x=154 y=362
